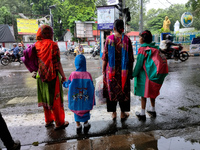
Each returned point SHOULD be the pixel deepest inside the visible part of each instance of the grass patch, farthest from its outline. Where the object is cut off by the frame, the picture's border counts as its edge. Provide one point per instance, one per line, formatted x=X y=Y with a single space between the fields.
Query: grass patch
x=195 y=106
x=186 y=109
x=183 y=108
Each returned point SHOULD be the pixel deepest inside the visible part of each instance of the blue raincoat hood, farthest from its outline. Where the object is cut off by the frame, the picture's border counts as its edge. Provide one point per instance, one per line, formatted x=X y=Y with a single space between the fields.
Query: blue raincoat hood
x=80 y=63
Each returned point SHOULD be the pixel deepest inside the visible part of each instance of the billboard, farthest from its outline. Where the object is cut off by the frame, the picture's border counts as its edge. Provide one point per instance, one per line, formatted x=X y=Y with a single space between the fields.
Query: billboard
x=106 y=17
x=84 y=29
x=27 y=26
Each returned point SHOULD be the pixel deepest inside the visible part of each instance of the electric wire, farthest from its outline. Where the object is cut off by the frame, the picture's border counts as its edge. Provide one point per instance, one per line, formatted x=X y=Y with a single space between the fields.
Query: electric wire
x=162 y=3
x=169 y=2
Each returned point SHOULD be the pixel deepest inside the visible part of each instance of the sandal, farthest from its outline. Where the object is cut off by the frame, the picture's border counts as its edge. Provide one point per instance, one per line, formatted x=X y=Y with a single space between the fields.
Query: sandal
x=124 y=118
x=49 y=124
x=62 y=126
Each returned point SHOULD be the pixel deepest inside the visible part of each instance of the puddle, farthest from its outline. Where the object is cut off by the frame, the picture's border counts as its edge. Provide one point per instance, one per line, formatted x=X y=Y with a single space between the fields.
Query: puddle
x=174 y=143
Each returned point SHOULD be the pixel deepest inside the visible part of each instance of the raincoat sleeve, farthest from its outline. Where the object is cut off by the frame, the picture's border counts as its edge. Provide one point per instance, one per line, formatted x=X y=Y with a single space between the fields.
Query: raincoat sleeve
x=139 y=64
x=67 y=83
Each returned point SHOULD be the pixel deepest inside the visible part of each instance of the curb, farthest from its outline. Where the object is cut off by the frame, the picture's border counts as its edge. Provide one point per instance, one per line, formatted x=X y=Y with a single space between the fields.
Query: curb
x=192 y=55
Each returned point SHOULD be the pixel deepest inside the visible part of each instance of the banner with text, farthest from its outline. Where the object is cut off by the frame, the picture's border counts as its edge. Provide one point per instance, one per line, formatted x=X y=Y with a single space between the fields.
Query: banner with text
x=27 y=26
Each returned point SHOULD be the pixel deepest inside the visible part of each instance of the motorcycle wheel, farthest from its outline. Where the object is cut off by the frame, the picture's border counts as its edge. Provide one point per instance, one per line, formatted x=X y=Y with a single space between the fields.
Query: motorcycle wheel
x=20 y=61
x=94 y=54
x=4 y=61
x=66 y=53
x=183 y=56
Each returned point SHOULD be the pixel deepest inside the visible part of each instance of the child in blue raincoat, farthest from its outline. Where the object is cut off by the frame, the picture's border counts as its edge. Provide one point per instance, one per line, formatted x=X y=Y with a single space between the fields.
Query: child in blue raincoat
x=81 y=97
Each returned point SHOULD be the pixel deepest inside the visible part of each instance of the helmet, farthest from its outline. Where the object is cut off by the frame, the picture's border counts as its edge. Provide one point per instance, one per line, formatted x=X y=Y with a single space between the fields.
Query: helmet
x=15 y=44
x=168 y=36
x=19 y=44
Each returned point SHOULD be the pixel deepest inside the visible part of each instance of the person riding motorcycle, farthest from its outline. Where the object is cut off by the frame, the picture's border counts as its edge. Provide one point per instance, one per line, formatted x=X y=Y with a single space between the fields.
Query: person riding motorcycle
x=169 y=43
x=16 y=51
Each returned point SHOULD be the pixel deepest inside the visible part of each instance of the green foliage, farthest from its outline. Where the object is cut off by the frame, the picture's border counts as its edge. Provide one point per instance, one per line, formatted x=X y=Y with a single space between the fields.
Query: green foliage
x=101 y=2
x=154 y=18
x=193 y=6
x=77 y=10
x=64 y=15
x=160 y=31
x=68 y=11
x=134 y=8
x=5 y=15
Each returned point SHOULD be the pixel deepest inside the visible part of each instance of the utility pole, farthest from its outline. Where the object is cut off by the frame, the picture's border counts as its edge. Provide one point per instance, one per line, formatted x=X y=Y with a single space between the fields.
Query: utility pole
x=123 y=14
x=141 y=16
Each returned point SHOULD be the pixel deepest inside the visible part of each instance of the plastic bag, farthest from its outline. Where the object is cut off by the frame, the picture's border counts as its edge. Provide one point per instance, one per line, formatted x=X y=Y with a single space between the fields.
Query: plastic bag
x=163 y=45
x=99 y=91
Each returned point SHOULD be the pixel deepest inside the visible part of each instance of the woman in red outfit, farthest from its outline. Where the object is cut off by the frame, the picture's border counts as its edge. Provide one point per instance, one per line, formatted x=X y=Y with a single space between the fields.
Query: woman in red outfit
x=49 y=78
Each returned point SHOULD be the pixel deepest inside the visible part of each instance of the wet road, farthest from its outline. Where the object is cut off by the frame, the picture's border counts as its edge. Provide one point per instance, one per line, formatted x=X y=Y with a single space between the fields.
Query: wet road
x=178 y=105
x=16 y=81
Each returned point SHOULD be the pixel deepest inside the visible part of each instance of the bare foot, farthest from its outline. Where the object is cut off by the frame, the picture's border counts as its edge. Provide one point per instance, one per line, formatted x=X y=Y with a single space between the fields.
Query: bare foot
x=114 y=115
x=124 y=116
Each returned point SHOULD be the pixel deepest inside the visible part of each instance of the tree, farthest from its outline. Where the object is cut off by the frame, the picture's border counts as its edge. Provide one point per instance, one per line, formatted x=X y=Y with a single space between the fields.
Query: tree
x=5 y=16
x=154 y=18
x=9 y=12
x=77 y=10
x=194 y=6
x=101 y=2
x=134 y=8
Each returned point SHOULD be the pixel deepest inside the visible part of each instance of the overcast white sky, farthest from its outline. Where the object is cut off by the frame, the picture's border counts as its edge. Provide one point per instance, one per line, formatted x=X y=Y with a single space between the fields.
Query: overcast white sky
x=163 y=3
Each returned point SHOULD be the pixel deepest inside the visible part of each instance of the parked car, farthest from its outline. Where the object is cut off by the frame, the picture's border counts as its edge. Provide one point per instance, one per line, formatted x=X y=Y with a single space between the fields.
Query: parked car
x=87 y=48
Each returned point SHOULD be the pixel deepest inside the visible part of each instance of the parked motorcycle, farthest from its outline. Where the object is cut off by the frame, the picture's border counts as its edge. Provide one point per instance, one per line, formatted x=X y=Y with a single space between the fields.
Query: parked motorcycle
x=179 y=54
x=9 y=57
x=70 y=52
x=96 y=51
x=1 y=54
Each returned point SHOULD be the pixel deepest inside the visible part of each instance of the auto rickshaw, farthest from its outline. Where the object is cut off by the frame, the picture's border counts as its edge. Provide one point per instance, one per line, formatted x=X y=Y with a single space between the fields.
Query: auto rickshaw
x=78 y=50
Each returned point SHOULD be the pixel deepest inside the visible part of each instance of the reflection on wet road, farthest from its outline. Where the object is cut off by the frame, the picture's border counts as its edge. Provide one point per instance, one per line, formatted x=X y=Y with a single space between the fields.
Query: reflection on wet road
x=16 y=81
x=177 y=106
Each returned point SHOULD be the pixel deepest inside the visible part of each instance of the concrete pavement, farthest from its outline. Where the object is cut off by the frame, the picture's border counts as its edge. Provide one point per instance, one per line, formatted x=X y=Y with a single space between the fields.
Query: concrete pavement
x=177 y=121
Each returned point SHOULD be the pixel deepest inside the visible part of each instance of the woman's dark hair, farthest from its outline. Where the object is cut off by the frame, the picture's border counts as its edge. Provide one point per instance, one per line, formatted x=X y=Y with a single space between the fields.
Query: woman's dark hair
x=119 y=25
x=146 y=36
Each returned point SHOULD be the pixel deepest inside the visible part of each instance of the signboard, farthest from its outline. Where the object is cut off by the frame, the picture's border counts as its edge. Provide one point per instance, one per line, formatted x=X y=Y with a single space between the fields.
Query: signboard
x=194 y=48
x=106 y=17
x=186 y=19
x=27 y=26
x=84 y=29
x=112 y=2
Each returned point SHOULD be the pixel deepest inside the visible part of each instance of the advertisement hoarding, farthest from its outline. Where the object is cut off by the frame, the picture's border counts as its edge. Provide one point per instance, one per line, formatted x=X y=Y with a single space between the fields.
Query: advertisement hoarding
x=27 y=26
x=84 y=30
x=106 y=17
